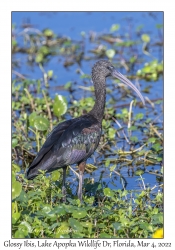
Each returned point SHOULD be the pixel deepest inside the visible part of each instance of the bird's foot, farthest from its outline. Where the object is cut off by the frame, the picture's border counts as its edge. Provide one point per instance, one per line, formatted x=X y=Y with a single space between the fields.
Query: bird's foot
x=64 y=193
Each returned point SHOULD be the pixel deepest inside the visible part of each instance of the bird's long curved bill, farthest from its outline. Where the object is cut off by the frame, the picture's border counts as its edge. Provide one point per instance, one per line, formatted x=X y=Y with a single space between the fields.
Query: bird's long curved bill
x=123 y=79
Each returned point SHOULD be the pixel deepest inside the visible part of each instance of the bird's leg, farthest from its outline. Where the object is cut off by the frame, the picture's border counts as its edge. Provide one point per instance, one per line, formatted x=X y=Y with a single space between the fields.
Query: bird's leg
x=64 y=182
x=81 y=167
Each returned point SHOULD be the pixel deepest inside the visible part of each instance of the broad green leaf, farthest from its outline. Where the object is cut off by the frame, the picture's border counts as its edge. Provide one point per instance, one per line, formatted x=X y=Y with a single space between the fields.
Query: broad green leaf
x=68 y=85
x=135 y=229
x=105 y=236
x=14 y=142
x=134 y=138
x=146 y=226
x=117 y=225
x=139 y=116
x=15 y=217
x=19 y=234
x=132 y=128
x=145 y=38
x=39 y=58
x=60 y=210
x=87 y=224
x=111 y=133
x=79 y=214
x=76 y=225
x=77 y=236
x=108 y=192
x=50 y=73
x=60 y=105
x=110 y=53
x=139 y=172
x=32 y=117
x=44 y=50
x=48 y=32
x=13 y=177
x=152 y=139
x=27 y=225
x=24 y=229
x=114 y=27
x=55 y=175
x=16 y=189
x=41 y=123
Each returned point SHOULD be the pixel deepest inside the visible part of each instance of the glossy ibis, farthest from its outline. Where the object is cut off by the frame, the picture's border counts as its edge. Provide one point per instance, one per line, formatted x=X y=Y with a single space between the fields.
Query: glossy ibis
x=75 y=140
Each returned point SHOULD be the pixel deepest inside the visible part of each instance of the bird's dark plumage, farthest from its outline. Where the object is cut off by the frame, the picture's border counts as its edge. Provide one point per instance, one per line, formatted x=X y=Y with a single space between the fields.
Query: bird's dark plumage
x=70 y=142
x=75 y=140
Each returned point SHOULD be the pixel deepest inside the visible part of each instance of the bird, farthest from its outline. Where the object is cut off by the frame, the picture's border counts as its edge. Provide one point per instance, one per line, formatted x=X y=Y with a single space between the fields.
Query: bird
x=75 y=140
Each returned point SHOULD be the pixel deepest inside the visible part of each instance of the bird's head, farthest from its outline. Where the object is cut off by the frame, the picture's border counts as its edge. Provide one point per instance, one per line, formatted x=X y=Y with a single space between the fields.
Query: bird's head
x=105 y=68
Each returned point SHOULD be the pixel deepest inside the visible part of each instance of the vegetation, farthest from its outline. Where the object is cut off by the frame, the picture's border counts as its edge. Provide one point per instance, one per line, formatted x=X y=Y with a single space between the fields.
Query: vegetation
x=132 y=139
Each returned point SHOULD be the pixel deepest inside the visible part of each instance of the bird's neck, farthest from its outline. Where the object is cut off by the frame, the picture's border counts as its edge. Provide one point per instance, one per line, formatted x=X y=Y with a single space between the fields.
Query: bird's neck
x=100 y=94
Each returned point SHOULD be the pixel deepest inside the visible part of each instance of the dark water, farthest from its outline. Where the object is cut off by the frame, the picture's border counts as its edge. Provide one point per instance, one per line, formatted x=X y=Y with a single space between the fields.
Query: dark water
x=71 y=24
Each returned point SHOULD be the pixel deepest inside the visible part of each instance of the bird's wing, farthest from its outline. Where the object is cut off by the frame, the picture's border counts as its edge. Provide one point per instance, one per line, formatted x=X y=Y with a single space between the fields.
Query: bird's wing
x=69 y=142
x=79 y=141
x=51 y=140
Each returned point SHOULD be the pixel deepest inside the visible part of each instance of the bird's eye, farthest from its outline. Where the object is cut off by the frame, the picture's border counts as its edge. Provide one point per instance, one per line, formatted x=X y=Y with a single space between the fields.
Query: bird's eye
x=110 y=67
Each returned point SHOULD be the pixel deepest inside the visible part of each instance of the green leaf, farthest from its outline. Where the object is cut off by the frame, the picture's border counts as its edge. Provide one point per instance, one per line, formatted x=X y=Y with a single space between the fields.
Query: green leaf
x=44 y=50
x=15 y=217
x=135 y=229
x=157 y=218
x=111 y=133
x=110 y=53
x=85 y=76
x=60 y=210
x=75 y=224
x=146 y=226
x=112 y=168
x=108 y=192
x=19 y=234
x=14 y=42
x=114 y=27
x=159 y=26
x=139 y=116
x=152 y=139
x=16 y=189
x=39 y=58
x=13 y=177
x=14 y=142
x=60 y=105
x=48 y=32
x=50 y=73
x=156 y=147
x=132 y=128
x=105 y=236
x=62 y=230
x=107 y=162
x=79 y=214
x=139 y=172
x=117 y=225
x=87 y=224
x=27 y=225
x=134 y=138
x=41 y=123
x=23 y=228
x=15 y=168
x=68 y=85
x=32 y=117
x=145 y=38
x=55 y=175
